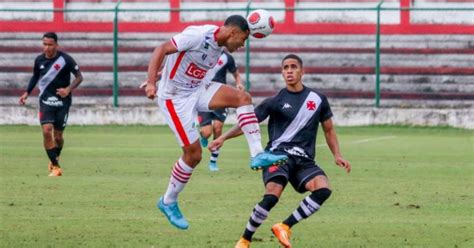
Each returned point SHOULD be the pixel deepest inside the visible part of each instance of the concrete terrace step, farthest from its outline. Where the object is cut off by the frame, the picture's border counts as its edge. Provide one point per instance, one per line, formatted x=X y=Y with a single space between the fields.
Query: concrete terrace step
x=329 y=93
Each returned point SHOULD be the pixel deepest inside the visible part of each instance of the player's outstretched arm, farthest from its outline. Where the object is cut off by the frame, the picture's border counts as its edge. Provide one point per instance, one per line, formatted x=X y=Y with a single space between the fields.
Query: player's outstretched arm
x=331 y=140
x=219 y=142
x=155 y=64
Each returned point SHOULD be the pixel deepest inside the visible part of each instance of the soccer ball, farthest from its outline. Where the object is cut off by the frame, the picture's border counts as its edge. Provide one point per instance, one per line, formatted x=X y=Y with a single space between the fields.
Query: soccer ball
x=261 y=23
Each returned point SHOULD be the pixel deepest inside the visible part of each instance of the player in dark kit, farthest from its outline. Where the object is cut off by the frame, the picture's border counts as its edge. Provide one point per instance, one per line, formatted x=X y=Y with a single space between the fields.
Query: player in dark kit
x=52 y=72
x=295 y=113
x=212 y=122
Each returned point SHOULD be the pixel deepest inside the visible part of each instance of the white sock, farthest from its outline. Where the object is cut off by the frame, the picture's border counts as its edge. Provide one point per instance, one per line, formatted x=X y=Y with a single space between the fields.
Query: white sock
x=214 y=155
x=180 y=175
x=248 y=123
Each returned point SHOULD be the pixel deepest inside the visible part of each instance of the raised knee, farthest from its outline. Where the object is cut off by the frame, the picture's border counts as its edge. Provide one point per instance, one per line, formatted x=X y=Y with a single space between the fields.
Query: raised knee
x=269 y=201
x=321 y=195
x=244 y=98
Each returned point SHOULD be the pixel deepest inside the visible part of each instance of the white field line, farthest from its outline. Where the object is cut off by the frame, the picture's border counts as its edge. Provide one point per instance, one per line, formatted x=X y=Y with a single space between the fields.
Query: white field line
x=361 y=141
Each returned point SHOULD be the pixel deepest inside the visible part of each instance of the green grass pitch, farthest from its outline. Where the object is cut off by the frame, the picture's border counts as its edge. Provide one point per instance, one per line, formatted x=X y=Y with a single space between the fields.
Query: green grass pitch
x=410 y=187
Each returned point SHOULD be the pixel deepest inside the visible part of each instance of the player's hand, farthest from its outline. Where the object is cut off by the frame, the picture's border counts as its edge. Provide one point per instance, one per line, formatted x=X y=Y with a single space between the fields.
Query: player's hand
x=150 y=90
x=240 y=87
x=341 y=162
x=215 y=144
x=23 y=98
x=63 y=92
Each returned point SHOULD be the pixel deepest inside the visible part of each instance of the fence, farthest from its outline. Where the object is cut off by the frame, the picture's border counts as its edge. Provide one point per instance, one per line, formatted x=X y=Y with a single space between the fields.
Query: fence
x=287 y=24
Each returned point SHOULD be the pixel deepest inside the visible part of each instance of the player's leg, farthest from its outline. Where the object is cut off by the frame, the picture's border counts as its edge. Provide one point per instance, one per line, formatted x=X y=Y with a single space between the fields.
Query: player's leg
x=309 y=177
x=181 y=121
x=205 y=124
x=219 y=117
x=320 y=192
x=47 y=119
x=59 y=125
x=223 y=96
x=275 y=179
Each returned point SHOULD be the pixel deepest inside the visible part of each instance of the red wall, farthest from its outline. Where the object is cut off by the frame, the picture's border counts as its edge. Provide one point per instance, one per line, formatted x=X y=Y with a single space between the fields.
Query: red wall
x=289 y=26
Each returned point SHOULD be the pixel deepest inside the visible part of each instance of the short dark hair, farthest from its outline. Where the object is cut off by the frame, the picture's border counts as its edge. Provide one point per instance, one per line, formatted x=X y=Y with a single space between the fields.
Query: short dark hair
x=293 y=56
x=237 y=21
x=51 y=35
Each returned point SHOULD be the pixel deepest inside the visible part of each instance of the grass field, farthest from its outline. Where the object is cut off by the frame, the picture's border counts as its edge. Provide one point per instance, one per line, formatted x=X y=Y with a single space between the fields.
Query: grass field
x=410 y=187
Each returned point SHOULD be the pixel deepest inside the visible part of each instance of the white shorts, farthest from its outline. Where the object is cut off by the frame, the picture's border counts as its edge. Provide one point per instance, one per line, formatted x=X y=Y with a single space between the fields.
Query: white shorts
x=181 y=112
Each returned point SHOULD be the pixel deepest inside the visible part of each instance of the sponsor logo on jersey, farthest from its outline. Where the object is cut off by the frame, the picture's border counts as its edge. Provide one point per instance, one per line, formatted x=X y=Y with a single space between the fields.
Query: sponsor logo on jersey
x=195 y=72
x=53 y=101
x=311 y=105
x=297 y=151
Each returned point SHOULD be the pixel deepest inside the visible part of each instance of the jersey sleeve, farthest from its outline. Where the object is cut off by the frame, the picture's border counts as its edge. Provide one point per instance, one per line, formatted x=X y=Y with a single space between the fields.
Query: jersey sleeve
x=72 y=65
x=188 y=39
x=34 y=79
x=326 y=112
x=231 y=67
x=263 y=110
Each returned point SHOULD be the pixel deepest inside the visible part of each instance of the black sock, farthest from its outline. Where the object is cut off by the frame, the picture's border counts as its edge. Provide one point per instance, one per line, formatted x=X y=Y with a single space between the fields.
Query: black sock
x=259 y=214
x=53 y=156
x=58 y=150
x=308 y=206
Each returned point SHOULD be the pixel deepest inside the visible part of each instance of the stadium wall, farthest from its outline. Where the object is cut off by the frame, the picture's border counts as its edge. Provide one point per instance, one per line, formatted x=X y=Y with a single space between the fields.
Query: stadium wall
x=343 y=116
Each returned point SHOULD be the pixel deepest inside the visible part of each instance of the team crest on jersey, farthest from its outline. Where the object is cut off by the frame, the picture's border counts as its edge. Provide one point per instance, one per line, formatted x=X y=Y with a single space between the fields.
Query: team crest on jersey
x=57 y=67
x=310 y=105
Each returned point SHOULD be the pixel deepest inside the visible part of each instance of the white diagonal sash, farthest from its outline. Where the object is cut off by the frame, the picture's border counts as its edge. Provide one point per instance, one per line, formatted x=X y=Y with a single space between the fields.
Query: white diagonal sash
x=51 y=74
x=300 y=120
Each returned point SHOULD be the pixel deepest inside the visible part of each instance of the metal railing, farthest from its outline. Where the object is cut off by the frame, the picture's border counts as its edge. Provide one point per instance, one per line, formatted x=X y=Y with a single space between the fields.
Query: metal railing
x=117 y=10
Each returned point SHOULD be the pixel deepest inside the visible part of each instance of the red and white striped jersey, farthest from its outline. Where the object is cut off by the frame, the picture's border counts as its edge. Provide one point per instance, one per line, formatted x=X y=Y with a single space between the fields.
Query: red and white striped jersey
x=185 y=71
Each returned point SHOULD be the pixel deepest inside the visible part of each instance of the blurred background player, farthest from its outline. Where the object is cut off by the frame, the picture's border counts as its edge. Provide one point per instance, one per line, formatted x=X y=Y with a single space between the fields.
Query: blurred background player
x=295 y=113
x=212 y=122
x=184 y=90
x=52 y=71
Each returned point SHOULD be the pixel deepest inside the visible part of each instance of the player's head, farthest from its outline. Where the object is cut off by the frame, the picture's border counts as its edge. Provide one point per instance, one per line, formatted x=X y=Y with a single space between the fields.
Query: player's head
x=50 y=44
x=236 y=31
x=292 y=69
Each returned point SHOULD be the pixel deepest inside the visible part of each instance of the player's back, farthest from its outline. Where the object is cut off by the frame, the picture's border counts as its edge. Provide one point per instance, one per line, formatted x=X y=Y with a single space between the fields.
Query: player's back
x=185 y=71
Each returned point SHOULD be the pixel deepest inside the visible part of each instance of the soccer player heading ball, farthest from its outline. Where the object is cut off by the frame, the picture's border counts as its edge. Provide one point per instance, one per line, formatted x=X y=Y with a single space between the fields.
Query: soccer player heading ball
x=184 y=90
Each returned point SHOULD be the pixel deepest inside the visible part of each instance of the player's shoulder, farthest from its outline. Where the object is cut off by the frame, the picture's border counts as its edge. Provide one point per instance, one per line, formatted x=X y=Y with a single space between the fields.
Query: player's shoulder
x=317 y=92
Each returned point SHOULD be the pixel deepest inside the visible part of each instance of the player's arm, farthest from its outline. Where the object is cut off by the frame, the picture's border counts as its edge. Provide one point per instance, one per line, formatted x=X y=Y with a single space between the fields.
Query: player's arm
x=219 y=142
x=238 y=80
x=155 y=64
x=331 y=140
x=31 y=85
x=73 y=68
x=235 y=72
x=262 y=111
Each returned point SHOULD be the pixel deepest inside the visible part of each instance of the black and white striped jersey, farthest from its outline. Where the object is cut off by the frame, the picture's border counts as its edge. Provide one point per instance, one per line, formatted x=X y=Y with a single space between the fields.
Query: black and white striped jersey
x=294 y=120
x=52 y=74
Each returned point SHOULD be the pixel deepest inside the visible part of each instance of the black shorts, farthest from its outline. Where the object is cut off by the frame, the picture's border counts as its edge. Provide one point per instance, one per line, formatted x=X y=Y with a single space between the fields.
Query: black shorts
x=298 y=171
x=55 y=115
x=206 y=118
